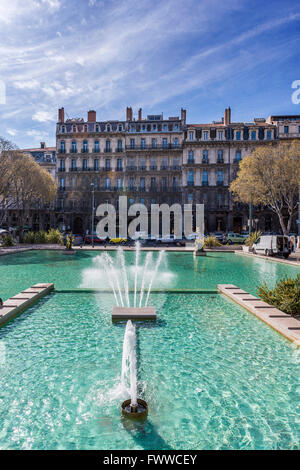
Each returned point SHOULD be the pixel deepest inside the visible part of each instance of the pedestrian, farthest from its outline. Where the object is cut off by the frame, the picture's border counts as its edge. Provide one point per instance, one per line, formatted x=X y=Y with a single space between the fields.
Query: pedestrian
x=293 y=244
x=1 y=302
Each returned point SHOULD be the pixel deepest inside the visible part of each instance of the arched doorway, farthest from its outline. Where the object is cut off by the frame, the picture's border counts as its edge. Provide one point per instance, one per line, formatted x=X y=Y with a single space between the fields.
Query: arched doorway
x=78 y=225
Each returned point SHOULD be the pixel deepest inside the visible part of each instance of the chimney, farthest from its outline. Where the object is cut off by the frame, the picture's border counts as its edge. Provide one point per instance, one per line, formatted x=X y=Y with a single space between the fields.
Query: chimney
x=91 y=116
x=183 y=115
x=129 y=113
x=61 y=115
x=227 y=117
x=43 y=145
x=140 y=114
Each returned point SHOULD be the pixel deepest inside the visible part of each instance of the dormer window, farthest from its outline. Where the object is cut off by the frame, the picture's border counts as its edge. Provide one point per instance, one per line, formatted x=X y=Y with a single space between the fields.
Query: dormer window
x=63 y=129
x=205 y=135
x=120 y=128
x=108 y=128
x=238 y=135
x=191 y=135
x=74 y=128
x=85 y=128
x=97 y=128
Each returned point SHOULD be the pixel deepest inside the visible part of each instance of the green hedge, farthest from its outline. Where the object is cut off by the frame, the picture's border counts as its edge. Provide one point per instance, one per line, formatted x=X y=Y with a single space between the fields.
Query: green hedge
x=52 y=236
x=285 y=296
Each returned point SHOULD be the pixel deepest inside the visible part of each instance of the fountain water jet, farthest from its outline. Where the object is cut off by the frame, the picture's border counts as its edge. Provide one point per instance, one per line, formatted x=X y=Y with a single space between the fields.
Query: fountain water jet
x=134 y=407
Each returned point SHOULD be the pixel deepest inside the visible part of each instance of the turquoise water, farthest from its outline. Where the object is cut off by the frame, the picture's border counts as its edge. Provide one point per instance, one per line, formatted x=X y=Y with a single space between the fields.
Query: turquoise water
x=18 y=272
x=213 y=375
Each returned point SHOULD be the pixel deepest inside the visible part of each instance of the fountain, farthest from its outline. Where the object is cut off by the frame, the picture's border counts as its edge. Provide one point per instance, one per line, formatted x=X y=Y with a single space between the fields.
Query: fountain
x=117 y=275
x=133 y=407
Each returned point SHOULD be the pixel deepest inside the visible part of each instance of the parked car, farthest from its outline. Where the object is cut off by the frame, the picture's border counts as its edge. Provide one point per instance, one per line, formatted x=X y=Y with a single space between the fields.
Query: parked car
x=270 y=245
x=233 y=237
x=118 y=241
x=220 y=236
x=192 y=236
x=88 y=240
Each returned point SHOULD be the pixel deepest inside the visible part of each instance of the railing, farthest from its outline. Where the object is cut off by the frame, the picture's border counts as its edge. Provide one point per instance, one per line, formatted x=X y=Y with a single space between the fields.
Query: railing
x=73 y=151
x=131 y=168
x=220 y=183
x=154 y=147
x=190 y=183
x=61 y=150
x=84 y=150
x=205 y=161
x=204 y=183
x=119 y=149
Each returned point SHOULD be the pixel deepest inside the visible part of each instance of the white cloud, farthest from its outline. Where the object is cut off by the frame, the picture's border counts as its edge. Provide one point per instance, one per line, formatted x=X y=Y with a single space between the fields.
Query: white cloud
x=26 y=84
x=92 y=3
x=54 y=5
x=12 y=132
x=43 y=116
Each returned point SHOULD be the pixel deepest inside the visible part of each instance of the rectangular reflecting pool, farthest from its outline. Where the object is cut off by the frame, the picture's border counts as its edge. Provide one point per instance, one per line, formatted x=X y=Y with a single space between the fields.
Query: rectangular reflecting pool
x=214 y=376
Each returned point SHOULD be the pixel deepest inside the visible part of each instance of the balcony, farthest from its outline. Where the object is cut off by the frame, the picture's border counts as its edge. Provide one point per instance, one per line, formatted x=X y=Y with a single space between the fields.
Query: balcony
x=119 y=149
x=96 y=150
x=119 y=168
x=164 y=167
x=73 y=151
x=220 y=160
x=220 y=183
x=61 y=169
x=205 y=161
x=204 y=183
x=61 y=150
x=142 y=168
x=191 y=161
x=84 y=150
x=108 y=150
x=176 y=168
x=237 y=160
x=153 y=167
x=190 y=183
x=131 y=168
x=74 y=168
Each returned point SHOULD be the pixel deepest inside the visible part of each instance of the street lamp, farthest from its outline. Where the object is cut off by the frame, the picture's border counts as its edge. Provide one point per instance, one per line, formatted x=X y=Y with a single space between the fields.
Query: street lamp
x=93 y=209
x=256 y=222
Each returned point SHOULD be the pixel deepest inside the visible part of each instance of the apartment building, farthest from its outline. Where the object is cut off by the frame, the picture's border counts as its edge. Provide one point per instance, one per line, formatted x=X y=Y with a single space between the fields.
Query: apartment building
x=154 y=159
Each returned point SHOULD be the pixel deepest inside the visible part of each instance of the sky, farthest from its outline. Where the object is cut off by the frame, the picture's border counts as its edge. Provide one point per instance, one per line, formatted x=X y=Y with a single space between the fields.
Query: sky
x=160 y=55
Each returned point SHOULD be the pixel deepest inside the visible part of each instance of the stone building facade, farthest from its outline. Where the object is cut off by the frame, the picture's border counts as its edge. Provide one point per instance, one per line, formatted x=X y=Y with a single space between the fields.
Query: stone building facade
x=155 y=160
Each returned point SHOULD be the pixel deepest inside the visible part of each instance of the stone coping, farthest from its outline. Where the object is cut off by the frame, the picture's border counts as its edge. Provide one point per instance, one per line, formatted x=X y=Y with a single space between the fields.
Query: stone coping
x=133 y=313
x=285 y=324
x=293 y=260
x=23 y=300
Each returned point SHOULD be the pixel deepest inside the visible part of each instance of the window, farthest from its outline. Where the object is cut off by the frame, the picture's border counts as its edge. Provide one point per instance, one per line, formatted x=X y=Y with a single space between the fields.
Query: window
x=238 y=135
x=220 y=177
x=220 y=156
x=205 y=156
x=107 y=164
x=131 y=201
x=119 y=183
x=119 y=144
x=299 y=129
x=164 y=163
x=84 y=164
x=97 y=128
x=131 y=162
x=85 y=146
x=142 y=200
x=165 y=143
x=74 y=128
x=74 y=146
x=154 y=143
x=120 y=127
x=96 y=164
x=62 y=146
x=238 y=156
x=62 y=165
x=191 y=156
x=143 y=143
x=97 y=148
x=73 y=164
x=220 y=135
x=62 y=183
x=175 y=163
x=107 y=183
x=219 y=199
x=205 y=135
x=175 y=182
x=269 y=135
x=190 y=197
x=286 y=129
x=153 y=163
x=132 y=143
x=253 y=135
x=153 y=182
x=191 y=135
x=204 y=178
x=190 y=178
x=131 y=182
x=142 y=183
x=164 y=182
x=142 y=163
x=119 y=164
x=108 y=128
x=63 y=129
x=107 y=146
x=176 y=142
x=85 y=128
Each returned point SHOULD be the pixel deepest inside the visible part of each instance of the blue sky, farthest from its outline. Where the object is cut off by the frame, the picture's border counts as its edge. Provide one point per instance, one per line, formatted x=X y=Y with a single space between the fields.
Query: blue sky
x=160 y=55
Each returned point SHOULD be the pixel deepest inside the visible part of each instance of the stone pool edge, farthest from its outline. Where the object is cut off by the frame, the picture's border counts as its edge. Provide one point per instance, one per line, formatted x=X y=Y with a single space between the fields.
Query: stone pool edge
x=283 y=323
x=18 y=303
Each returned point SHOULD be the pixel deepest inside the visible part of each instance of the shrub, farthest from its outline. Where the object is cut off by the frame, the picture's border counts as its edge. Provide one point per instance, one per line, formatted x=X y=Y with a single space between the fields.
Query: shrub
x=29 y=238
x=211 y=241
x=40 y=237
x=252 y=238
x=54 y=237
x=285 y=296
x=7 y=240
x=69 y=242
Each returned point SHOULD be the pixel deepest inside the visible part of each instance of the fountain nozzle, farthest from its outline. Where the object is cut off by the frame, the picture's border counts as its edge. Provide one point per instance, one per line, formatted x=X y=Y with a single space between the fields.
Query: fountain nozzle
x=135 y=411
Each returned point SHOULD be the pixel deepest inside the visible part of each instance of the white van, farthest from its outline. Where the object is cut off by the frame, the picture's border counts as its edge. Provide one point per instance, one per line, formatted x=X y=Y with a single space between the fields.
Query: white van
x=270 y=245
